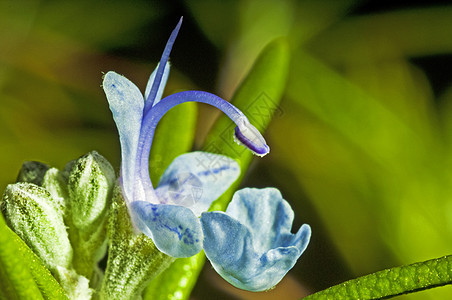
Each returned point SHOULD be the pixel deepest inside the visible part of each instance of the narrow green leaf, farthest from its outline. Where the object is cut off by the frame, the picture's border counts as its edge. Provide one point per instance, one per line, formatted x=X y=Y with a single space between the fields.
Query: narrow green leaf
x=22 y=273
x=177 y=281
x=258 y=97
x=16 y=280
x=393 y=282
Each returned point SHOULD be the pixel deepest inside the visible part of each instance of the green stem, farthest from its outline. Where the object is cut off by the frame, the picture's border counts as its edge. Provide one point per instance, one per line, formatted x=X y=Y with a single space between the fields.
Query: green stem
x=133 y=259
x=393 y=282
x=87 y=244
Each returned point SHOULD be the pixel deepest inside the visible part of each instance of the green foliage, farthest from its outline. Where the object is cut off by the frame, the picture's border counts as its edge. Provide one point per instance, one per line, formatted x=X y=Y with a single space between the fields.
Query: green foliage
x=178 y=280
x=393 y=282
x=23 y=275
x=374 y=148
x=47 y=218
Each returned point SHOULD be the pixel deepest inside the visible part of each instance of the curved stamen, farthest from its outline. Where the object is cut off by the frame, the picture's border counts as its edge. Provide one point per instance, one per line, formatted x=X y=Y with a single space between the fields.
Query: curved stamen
x=161 y=67
x=152 y=117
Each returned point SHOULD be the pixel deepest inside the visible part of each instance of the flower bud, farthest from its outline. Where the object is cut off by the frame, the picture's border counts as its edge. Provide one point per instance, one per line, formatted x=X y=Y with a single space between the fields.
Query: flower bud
x=55 y=183
x=91 y=180
x=32 y=172
x=33 y=214
x=75 y=285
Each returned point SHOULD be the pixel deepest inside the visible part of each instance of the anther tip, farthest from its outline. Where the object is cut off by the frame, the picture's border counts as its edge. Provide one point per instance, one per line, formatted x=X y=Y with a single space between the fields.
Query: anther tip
x=251 y=138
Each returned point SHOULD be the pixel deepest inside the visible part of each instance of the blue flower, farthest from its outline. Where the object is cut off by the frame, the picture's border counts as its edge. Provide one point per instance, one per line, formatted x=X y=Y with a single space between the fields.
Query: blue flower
x=250 y=245
x=171 y=222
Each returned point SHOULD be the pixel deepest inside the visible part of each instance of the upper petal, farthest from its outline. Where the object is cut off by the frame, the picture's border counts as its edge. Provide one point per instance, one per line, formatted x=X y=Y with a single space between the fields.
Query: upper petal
x=162 y=84
x=175 y=230
x=196 y=179
x=126 y=103
x=250 y=245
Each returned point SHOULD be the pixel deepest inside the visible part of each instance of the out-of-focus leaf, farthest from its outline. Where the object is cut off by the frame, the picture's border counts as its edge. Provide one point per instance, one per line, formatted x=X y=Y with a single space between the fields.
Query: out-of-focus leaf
x=332 y=172
x=376 y=178
x=445 y=110
x=413 y=32
x=23 y=276
x=217 y=19
x=224 y=22
x=400 y=87
x=250 y=25
x=118 y=18
x=314 y=16
x=349 y=110
x=178 y=280
x=258 y=23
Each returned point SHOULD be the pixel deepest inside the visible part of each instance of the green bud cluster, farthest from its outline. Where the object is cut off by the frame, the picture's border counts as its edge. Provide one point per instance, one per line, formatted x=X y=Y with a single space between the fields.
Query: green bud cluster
x=64 y=217
x=61 y=216
x=33 y=214
x=90 y=180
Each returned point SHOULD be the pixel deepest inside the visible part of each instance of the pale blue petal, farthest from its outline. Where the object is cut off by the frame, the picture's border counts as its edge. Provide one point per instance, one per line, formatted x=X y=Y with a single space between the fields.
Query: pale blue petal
x=126 y=103
x=196 y=179
x=162 y=84
x=251 y=245
x=274 y=218
x=175 y=230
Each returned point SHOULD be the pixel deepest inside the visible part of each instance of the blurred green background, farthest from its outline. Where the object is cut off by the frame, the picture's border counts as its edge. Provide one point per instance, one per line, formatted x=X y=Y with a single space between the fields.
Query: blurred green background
x=361 y=144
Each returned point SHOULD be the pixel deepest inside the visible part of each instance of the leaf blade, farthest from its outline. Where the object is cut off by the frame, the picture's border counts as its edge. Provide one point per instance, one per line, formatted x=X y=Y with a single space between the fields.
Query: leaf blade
x=393 y=282
x=22 y=268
